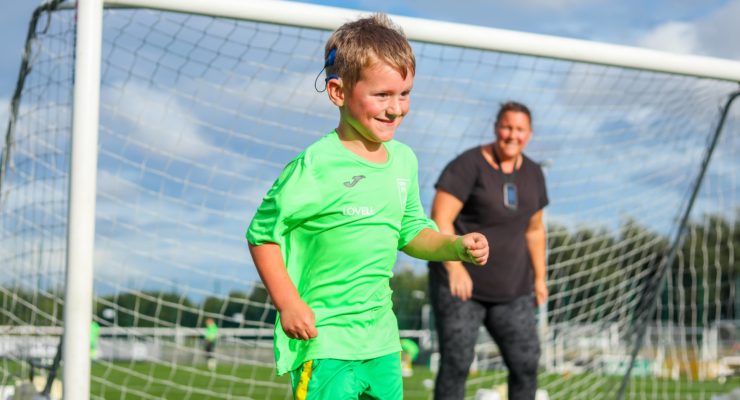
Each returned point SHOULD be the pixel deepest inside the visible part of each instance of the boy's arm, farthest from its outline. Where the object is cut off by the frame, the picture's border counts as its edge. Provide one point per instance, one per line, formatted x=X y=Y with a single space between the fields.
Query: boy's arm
x=434 y=246
x=537 y=243
x=445 y=208
x=296 y=318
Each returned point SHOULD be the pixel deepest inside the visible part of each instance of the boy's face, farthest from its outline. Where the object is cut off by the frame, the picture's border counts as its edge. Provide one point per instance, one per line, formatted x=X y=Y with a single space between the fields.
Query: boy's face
x=375 y=106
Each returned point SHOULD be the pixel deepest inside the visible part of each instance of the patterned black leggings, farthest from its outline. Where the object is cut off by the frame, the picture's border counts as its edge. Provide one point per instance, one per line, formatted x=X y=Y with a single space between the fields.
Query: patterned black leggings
x=512 y=326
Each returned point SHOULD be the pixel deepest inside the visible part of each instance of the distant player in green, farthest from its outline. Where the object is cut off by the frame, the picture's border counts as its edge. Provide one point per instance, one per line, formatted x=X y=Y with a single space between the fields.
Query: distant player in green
x=409 y=352
x=94 y=336
x=326 y=236
x=209 y=342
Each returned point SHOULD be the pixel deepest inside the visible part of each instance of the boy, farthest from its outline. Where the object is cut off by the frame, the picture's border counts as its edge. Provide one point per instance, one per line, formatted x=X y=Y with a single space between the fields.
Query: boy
x=326 y=236
x=210 y=335
x=94 y=337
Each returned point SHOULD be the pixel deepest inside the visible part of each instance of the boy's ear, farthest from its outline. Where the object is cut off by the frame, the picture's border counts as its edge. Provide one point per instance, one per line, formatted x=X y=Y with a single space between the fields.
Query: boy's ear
x=335 y=90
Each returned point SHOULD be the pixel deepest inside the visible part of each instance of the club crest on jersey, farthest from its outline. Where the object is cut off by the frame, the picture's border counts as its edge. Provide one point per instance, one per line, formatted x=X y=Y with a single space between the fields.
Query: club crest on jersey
x=403 y=190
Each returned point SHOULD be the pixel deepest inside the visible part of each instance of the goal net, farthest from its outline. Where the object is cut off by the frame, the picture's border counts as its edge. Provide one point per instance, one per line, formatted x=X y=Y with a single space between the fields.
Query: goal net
x=199 y=113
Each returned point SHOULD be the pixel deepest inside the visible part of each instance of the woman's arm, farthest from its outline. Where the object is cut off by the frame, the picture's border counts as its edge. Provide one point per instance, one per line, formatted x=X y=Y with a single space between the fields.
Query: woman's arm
x=445 y=208
x=537 y=243
x=446 y=246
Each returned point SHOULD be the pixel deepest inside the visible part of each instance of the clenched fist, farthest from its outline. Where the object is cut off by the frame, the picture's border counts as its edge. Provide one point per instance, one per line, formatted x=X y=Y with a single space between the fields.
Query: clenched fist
x=472 y=248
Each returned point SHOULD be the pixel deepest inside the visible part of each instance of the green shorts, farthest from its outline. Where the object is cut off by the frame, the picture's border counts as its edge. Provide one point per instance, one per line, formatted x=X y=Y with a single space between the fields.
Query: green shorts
x=378 y=378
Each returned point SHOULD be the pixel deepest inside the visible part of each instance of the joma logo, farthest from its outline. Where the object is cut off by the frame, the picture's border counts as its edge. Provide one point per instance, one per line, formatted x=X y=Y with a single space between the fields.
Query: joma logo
x=354 y=180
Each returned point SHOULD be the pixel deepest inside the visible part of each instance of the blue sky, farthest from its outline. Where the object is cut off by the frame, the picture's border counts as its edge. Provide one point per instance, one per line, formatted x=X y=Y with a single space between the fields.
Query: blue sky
x=687 y=26
x=680 y=26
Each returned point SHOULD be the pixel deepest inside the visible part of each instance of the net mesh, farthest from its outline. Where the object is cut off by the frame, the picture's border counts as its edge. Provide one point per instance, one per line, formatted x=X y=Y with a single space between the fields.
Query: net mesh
x=198 y=115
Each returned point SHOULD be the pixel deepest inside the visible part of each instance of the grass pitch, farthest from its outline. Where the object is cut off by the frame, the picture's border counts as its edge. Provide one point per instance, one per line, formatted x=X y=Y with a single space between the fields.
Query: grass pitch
x=143 y=380
x=197 y=382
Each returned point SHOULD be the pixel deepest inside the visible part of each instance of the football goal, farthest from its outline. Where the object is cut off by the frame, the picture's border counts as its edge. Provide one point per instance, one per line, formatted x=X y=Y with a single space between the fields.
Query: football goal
x=142 y=136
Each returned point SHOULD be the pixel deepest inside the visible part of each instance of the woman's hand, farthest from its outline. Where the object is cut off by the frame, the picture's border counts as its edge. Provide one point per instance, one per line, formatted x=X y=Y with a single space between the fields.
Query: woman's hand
x=461 y=285
x=540 y=292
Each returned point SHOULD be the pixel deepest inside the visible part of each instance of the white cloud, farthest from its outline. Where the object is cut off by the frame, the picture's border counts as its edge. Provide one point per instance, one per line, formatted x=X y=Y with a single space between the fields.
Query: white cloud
x=555 y=5
x=713 y=35
x=676 y=37
x=167 y=253
x=161 y=121
x=113 y=185
x=684 y=26
x=4 y=114
x=719 y=31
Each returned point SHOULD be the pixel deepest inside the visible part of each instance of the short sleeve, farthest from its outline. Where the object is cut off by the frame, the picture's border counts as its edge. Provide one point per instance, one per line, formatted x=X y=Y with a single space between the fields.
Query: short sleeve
x=543 y=200
x=459 y=176
x=414 y=218
x=292 y=199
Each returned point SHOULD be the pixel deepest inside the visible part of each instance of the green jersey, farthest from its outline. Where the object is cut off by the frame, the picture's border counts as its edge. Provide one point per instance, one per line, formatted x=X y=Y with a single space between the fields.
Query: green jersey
x=211 y=333
x=339 y=221
x=94 y=334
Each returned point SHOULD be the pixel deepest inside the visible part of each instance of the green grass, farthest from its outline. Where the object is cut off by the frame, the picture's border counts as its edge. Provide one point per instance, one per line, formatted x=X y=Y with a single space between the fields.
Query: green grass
x=243 y=381
x=196 y=382
x=250 y=381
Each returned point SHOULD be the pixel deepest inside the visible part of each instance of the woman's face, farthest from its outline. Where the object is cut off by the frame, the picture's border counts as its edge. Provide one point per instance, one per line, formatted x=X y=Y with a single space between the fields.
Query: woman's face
x=513 y=131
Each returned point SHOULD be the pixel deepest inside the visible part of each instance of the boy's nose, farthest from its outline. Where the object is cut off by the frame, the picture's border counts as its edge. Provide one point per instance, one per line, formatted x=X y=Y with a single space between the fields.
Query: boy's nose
x=394 y=108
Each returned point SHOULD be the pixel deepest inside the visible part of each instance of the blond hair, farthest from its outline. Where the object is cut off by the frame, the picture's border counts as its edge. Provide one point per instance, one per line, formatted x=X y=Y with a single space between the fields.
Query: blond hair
x=364 y=42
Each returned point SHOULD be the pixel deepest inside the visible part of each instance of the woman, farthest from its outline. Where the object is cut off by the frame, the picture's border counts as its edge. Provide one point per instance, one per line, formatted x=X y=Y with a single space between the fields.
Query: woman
x=498 y=191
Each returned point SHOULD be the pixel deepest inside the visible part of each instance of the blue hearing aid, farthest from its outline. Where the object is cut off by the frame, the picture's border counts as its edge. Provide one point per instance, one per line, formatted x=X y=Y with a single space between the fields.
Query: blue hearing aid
x=329 y=62
x=330 y=57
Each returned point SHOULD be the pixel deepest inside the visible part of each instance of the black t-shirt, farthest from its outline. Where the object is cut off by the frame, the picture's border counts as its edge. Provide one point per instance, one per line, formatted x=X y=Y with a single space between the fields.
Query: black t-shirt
x=470 y=178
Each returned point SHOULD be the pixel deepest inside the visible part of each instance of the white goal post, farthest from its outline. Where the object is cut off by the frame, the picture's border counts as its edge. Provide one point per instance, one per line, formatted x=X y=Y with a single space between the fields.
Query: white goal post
x=82 y=182
x=625 y=135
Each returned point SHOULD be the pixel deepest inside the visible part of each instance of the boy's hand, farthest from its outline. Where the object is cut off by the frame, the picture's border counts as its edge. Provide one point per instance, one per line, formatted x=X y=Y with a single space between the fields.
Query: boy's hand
x=298 y=321
x=472 y=248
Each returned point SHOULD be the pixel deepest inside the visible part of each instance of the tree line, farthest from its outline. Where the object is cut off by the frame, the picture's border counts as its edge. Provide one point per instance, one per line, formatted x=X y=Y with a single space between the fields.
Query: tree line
x=588 y=270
